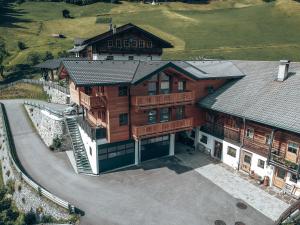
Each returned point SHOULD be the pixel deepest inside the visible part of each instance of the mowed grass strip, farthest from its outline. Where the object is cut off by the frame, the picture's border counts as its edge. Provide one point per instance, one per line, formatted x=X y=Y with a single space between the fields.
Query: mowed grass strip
x=20 y=91
x=233 y=29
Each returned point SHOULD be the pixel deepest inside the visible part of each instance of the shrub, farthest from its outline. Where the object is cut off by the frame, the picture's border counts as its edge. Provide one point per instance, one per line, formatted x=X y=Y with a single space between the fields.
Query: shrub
x=7 y=173
x=66 y=13
x=56 y=143
x=19 y=187
x=33 y=58
x=48 y=55
x=30 y=218
x=10 y=186
x=21 y=45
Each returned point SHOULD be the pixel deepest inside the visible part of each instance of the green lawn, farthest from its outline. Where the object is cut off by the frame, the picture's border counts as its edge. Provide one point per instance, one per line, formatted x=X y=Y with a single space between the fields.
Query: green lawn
x=23 y=90
x=232 y=29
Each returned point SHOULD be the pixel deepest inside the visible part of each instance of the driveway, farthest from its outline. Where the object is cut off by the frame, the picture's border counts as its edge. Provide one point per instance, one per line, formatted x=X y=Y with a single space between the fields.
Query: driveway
x=161 y=191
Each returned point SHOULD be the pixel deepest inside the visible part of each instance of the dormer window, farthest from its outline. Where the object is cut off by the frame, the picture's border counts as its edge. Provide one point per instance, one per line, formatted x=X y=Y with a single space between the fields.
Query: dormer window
x=110 y=43
x=141 y=44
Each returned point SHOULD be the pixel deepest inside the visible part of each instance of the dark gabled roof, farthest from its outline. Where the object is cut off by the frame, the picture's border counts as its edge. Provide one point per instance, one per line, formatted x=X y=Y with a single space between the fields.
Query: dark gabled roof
x=259 y=97
x=98 y=72
x=54 y=63
x=125 y=28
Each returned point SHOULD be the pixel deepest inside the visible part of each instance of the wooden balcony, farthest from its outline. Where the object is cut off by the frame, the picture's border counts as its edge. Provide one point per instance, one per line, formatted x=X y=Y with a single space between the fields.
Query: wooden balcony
x=256 y=147
x=222 y=132
x=91 y=102
x=162 y=128
x=278 y=160
x=149 y=101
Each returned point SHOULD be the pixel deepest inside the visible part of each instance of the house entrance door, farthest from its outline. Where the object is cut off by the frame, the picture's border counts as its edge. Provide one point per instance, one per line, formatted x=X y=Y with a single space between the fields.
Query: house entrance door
x=246 y=161
x=218 y=150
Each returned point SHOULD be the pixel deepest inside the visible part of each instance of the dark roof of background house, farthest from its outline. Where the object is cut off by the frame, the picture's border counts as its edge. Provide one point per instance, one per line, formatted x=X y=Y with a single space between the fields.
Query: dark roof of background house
x=126 y=28
x=259 y=97
x=54 y=63
x=99 y=72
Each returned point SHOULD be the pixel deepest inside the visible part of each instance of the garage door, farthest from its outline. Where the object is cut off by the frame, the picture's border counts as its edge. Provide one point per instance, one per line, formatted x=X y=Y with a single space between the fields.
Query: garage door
x=115 y=155
x=155 y=147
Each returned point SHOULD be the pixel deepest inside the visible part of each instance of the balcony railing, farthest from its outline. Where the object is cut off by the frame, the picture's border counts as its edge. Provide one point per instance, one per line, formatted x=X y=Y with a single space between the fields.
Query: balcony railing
x=280 y=161
x=163 y=99
x=93 y=132
x=91 y=101
x=162 y=128
x=221 y=131
x=255 y=146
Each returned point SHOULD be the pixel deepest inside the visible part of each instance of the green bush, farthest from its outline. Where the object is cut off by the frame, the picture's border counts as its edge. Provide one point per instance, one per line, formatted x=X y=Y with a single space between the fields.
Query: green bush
x=30 y=218
x=56 y=144
x=21 y=45
x=10 y=186
x=34 y=58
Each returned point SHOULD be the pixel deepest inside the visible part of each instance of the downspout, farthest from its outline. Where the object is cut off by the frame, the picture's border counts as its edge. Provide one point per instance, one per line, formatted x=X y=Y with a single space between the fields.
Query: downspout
x=242 y=142
x=129 y=110
x=270 y=146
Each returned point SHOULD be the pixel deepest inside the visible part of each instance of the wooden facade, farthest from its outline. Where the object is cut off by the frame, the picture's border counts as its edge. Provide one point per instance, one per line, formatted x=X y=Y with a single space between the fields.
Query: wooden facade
x=266 y=141
x=104 y=106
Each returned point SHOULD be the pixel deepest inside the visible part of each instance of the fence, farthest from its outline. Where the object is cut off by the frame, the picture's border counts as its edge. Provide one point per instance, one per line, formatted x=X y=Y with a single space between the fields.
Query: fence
x=37 y=82
x=41 y=106
x=19 y=168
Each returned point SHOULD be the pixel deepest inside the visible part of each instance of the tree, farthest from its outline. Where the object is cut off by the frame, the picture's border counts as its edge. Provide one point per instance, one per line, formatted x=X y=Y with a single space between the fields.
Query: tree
x=33 y=58
x=3 y=54
x=66 y=13
x=63 y=54
x=48 y=55
x=21 y=45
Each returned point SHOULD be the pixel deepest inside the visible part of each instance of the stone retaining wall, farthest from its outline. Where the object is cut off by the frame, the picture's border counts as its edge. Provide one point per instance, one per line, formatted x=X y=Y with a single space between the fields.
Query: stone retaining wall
x=57 y=96
x=48 y=125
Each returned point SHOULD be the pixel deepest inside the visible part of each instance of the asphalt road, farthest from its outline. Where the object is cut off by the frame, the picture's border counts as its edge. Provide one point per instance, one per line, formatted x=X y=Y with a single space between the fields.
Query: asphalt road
x=161 y=192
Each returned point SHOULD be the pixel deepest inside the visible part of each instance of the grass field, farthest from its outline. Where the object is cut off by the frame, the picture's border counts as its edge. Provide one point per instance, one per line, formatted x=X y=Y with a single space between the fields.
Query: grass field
x=23 y=91
x=232 y=29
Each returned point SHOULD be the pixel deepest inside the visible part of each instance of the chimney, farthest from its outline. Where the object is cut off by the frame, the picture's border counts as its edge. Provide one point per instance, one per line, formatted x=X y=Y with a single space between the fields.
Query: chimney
x=114 y=29
x=283 y=70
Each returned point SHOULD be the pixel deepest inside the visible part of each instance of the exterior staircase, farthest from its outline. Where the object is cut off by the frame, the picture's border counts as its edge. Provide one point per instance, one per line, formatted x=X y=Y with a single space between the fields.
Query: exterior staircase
x=81 y=158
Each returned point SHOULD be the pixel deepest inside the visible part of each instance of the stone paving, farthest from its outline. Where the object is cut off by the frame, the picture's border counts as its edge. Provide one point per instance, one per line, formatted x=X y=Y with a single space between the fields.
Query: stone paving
x=267 y=200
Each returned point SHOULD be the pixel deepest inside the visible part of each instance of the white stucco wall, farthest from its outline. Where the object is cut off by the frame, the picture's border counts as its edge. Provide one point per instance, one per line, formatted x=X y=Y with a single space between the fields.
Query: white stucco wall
x=126 y=57
x=266 y=171
x=89 y=143
x=227 y=159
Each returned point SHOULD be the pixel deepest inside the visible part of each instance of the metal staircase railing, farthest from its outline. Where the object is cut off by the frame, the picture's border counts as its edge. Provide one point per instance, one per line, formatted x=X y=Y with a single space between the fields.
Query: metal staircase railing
x=81 y=158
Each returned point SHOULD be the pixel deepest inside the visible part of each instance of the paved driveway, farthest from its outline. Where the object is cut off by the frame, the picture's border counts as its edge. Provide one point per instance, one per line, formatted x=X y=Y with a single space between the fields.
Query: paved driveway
x=160 y=192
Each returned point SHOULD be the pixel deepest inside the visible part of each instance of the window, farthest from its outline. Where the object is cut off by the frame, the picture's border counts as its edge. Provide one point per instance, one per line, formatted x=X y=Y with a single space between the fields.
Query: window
x=141 y=44
x=281 y=173
x=119 y=43
x=193 y=133
x=247 y=159
x=152 y=116
x=131 y=57
x=101 y=90
x=149 y=44
x=123 y=119
x=231 y=151
x=293 y=147
x=165 y=84
x=91 y=152
x=203 y=139
x=261 y=163
x=110 y=57
x=293 y=178
x=110 y=43
x=250 y=133
x=123 y=91
x=152 y=88
x=268 y=139
x=181 y=85
x=134 y=43
x=126 y=44
x=180 y=112
x=164 y=114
